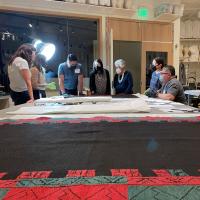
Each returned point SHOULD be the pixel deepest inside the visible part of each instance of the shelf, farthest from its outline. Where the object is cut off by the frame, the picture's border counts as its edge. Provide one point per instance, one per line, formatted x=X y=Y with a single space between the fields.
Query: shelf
x=167 y=17
x=189 y=39
x=198 y=62
x=63 y=7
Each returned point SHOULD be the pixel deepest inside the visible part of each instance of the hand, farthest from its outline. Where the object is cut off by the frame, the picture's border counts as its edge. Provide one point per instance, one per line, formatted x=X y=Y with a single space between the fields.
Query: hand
x=30 y=101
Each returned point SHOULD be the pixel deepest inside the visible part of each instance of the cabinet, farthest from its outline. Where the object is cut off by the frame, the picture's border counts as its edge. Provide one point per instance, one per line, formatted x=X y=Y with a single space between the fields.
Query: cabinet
x=190 y=57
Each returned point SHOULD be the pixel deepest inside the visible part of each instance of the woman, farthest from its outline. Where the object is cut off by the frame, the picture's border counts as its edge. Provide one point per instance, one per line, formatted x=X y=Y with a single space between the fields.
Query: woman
x=20 y=76
x=155 y=84
x=99 y=79
x=123 y=81
x=38 y=76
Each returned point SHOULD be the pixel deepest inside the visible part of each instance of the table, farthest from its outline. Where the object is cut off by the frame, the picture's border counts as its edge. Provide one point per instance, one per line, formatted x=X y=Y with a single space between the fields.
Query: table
x=4 y=102
x=101 y=142
x=193 y=95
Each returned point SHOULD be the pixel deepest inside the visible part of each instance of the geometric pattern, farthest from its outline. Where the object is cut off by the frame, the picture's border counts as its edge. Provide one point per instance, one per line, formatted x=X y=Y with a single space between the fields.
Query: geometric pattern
x=123 y=184
x=164 y=193
x=166 y=184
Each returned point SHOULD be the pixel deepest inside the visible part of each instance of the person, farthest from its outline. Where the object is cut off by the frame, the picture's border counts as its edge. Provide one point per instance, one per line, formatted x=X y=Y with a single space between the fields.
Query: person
x=38 y=76
x=99 y=79
x=20 y=76
x=171 y=88
x=123 y=81
x=155 y=84
x=70 y=76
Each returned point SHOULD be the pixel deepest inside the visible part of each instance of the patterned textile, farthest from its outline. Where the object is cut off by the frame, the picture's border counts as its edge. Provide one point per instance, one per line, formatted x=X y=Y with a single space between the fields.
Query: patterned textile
x=146 y=158
x=123 y=184
x=100 y=82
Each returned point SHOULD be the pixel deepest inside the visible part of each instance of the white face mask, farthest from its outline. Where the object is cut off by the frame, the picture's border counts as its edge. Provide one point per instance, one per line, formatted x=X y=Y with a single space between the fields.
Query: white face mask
x=118 y=70
x=154 y=63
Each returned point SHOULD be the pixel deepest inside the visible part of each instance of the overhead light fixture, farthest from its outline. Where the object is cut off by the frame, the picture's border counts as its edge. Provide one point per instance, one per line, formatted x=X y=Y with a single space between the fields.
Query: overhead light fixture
x=30 y=25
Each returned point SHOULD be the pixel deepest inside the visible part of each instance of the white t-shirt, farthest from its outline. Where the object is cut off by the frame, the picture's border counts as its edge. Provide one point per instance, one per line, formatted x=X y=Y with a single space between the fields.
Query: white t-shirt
x=17 y=82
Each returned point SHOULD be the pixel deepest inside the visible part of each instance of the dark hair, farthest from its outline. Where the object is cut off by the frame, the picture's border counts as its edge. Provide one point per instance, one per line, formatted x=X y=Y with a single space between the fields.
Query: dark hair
x=72 y=57
x=101 y=65
x=25 y=51
x=170 y=68
x=39 y=62
x=159 y=61
x=100 y=62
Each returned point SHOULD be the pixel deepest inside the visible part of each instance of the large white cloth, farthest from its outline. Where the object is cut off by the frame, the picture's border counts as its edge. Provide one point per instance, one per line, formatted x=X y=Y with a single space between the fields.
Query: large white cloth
x=134 y=105
x=72 y=100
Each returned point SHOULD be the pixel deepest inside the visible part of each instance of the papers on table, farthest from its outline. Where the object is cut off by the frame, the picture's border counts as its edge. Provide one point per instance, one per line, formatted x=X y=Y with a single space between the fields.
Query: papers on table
x=169 y=106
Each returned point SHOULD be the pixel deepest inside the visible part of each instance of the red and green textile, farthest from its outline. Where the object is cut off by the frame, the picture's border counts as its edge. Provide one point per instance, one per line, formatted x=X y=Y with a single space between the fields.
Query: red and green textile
x=100 y=158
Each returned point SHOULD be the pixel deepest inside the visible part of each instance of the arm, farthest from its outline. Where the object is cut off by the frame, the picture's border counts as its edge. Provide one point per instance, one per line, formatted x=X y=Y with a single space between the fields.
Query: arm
x=61 y=79
x=80 y=83
x=166 y=96
x=61 y=83
x=171 y=94
x=27 y=78
x=129 y=89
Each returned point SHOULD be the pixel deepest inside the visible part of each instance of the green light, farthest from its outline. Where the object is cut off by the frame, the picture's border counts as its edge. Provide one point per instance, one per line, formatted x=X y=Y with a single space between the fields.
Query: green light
x=143 y=12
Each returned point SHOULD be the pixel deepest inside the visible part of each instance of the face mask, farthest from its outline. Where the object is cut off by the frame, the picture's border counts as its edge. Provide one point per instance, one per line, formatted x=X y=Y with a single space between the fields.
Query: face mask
x=154 y=63
x=70 y=65
x=161 y=78
x=118 y=71
x=99 y=69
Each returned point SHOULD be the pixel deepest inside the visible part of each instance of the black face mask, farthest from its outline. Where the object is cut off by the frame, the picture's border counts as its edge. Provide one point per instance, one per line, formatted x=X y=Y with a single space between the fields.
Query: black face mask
x=73 y=65
x=153 y=67
x=99 y=69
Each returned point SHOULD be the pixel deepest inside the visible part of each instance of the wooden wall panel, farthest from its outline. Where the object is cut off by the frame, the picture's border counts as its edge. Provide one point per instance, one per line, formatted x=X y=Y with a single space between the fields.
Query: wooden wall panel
x=125 y=30
x=161 y=32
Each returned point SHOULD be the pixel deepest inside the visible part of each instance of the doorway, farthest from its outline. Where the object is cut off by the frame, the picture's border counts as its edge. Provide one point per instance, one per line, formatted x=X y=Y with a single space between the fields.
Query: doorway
x=131 y=53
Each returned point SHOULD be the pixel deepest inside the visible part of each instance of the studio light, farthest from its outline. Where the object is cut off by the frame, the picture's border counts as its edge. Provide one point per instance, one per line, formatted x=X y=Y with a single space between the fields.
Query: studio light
x=48 y=51
x=36 y=43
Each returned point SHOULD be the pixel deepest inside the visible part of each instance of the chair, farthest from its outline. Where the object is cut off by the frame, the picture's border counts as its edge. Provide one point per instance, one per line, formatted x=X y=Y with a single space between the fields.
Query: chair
x=191 y=83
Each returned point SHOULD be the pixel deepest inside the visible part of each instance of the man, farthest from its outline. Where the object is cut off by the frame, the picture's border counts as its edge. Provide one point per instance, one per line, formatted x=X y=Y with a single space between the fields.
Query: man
x=171 y=88
x=70 y=76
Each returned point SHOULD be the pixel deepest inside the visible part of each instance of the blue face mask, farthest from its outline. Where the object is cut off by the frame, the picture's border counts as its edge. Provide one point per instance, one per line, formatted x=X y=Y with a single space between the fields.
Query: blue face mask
x=161 y=78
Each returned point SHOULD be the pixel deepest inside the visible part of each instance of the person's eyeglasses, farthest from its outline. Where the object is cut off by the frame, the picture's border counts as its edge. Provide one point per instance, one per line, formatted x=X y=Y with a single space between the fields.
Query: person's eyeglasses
x=164 y=73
